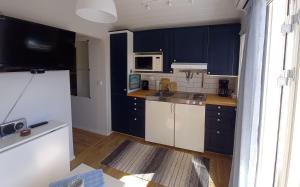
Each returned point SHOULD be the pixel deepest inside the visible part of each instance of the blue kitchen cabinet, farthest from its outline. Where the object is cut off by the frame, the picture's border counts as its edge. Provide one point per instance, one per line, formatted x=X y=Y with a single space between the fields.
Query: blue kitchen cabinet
x=127 y=113
x=118 y=59
x=189 y=45
x=148 y=41
x=219 y=129
x=119 y=113
x=224 y=45
x=154 y=41
x=167 y=50
x=136 y=117
x=216 y=45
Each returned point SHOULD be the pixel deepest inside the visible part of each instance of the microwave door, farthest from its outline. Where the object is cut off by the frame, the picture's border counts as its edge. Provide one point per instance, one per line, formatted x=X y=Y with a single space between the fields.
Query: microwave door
x=143 y=63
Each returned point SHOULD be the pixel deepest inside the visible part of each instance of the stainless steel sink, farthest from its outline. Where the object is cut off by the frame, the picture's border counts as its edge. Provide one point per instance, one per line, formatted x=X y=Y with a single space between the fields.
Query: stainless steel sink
x=164 y=94
x=179 y=97
x=182 y=95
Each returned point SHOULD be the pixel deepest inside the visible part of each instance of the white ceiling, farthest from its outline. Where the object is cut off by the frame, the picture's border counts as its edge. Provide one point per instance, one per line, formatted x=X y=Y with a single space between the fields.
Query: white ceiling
x=57 y=13
x=132 y=14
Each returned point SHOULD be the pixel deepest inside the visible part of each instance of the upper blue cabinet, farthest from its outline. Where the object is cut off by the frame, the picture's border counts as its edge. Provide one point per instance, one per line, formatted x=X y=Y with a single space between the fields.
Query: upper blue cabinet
x=155 y=41
x=216 y=45
x=190 y=45
x=118 y=63
x=148 y=41
x=224 y=45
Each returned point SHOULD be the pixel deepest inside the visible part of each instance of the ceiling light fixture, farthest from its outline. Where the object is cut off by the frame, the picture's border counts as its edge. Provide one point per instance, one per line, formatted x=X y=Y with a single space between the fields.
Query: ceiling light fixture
x=100 y=11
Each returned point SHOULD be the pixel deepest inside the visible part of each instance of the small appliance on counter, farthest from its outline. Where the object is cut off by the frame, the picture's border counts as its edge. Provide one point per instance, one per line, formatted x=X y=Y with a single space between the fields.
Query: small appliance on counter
x=173 y=87
x=134 y=81
x=157 y=85
x=12 y=127
x=164 y=84
x=145 y=85
x=223 y=88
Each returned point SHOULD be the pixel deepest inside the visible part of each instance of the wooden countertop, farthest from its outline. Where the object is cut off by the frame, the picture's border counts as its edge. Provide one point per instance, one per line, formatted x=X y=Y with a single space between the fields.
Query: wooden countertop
x=212 y=99
x=142 y=93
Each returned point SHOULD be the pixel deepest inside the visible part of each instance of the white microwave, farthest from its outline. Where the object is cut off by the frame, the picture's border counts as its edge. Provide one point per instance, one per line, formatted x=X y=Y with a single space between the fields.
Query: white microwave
x=148 y=63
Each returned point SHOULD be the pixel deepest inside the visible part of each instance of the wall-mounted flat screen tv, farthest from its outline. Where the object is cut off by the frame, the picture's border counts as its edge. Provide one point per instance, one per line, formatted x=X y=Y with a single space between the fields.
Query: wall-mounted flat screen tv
x=25 y=45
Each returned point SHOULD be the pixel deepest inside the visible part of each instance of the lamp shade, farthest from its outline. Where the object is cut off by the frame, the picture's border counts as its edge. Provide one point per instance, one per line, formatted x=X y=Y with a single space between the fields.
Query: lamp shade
x=100 y=11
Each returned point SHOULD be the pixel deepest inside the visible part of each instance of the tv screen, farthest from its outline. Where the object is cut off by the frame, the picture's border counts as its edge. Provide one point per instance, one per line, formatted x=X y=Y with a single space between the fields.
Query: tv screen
x=25 y=45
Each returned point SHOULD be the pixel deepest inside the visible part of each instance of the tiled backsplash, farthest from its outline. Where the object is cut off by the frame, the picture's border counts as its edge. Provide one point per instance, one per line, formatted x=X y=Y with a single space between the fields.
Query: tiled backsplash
x=210 y=84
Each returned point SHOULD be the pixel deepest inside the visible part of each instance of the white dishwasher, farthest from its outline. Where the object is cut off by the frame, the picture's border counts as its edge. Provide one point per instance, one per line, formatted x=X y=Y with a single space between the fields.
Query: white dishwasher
x=190 y=127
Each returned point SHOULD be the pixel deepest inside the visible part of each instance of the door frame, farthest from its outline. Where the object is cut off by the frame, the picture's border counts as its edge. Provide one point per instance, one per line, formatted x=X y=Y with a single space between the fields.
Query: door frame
x=277 y=160
x=275 y=44
x=289 y=107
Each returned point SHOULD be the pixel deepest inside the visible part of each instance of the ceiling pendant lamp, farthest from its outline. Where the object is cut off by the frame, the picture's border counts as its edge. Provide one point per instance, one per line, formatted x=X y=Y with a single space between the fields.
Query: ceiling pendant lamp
x=100 y=11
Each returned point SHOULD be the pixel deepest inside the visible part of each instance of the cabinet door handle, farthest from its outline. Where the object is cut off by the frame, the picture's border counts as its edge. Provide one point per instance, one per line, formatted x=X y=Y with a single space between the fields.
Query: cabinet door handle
x=218 y=132
x=219 y=113
x=219 y=107
x=218 y=120
x=171 y=108
x=135 y=119
x=125 y=89
x=134 y=108
x=135 y=104
x=135 y=98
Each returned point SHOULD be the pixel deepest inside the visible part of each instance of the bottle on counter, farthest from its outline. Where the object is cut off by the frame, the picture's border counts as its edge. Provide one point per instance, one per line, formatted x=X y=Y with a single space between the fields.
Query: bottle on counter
x=157 y=85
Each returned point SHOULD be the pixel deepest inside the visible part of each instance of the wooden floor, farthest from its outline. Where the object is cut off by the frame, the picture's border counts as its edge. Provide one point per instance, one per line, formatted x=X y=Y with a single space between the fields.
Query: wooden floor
x=92 y=148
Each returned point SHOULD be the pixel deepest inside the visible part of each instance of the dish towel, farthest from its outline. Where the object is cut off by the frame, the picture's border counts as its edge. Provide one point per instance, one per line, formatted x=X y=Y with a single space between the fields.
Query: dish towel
x=90 y=179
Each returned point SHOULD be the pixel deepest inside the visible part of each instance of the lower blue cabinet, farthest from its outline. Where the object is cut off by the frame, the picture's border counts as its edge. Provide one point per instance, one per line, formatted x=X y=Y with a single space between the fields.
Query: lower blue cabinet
x=119 y=113
x=136 y=108
x=128 y=115
x=219 y=129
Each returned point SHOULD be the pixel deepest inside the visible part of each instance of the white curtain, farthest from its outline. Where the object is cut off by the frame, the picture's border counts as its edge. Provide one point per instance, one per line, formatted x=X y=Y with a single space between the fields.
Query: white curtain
x=248 y=110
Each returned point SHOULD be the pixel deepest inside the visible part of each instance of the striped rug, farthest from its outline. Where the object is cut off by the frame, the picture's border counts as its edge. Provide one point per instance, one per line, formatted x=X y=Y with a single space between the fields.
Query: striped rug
x=160 y=165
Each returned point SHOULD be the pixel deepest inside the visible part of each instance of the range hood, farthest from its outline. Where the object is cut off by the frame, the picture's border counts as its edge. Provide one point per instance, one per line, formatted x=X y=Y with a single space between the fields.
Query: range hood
x=189 y=66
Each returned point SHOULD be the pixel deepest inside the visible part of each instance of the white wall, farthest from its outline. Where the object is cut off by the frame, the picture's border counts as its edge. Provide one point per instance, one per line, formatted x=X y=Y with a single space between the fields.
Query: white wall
x=46 y=98
x=93 y=114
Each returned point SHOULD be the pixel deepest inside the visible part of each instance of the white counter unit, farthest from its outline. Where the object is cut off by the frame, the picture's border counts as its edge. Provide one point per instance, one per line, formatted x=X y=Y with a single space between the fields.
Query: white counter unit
x=178 y=125
x=35 y=160
x=190 y=127
x=160 y=122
